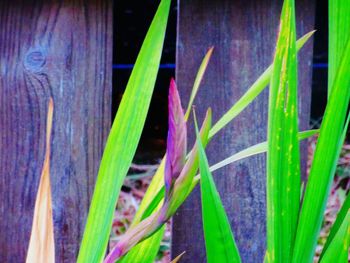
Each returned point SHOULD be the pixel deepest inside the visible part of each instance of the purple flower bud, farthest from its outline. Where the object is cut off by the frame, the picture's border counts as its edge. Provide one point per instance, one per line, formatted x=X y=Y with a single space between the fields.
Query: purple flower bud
x=177 y=138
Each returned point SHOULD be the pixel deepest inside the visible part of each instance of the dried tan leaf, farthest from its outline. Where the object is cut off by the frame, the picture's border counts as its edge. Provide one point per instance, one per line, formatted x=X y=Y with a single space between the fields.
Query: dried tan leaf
x=41 y=245
x=177 y=259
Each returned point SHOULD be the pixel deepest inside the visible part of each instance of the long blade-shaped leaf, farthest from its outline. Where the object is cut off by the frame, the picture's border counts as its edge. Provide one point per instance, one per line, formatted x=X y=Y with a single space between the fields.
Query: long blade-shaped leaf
x=283 y=161
x=341 y=216
x=339 y=32
x=151 y=224
x=41 y=245
x=338 y=249
x=250 y=151
x=324 y=164
x=198 y=80
x=345 y=207
x=255 y=149
x=258 y=86
x=219 y=241
x=123 y=139
x=249 y=96
x=241 y=104
x=147 y=250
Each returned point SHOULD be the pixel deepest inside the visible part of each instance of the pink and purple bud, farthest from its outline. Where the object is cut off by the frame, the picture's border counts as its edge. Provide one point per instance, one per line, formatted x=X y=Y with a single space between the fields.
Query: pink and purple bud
x=174 y=164
x=177 y=138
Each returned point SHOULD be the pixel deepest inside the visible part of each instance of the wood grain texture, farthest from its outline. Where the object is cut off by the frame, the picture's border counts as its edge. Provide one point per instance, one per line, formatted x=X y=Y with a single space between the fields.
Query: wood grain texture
x=61 y=49
x=243 y=34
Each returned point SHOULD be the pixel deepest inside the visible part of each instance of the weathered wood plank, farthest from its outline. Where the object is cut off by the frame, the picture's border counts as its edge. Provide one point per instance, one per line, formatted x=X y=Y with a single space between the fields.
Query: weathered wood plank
x=244 y=34
x=61 y=49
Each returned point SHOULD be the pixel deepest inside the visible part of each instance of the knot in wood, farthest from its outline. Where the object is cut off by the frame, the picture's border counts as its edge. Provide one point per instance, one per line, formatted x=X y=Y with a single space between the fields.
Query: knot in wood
x=35 y=60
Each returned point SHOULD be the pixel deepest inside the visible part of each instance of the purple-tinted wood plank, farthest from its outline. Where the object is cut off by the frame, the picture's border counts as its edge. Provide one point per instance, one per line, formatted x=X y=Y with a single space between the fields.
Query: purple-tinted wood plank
x=61 y=49
x=244 y=35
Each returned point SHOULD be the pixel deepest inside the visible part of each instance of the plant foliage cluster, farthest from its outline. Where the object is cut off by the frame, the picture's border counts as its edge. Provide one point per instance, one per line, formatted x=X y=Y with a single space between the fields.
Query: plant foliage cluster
x=293 y=225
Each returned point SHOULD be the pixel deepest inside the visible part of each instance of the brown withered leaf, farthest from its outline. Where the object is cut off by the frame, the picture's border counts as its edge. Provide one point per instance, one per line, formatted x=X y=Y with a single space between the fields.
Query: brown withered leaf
x=41 y=245
x=177 y=259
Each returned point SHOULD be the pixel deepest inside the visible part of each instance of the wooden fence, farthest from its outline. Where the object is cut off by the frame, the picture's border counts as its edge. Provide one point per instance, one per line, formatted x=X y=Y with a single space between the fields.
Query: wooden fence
x=243 y=33
x=63 y=49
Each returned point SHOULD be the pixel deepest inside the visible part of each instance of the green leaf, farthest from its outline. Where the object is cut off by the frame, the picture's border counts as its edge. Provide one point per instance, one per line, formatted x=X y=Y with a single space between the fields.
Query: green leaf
x=156 y=185
x=250 y=151
x=151 y=224
x=240 y=105
x=255 y=149
x=123 y=140
x=339 y=32
x=219 y=241
x=159 y=197
x=338 y=249
x=324 y=163
x=198 y=80
x=346 y=205
x=250 y=95
x=341 y=217
x=283 y=160
x=147 y=250
x=258 y=86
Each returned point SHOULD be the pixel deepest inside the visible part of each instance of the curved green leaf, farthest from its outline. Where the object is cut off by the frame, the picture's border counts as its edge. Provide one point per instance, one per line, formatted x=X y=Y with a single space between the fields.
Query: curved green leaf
x=339 y=32
x=346 y=205
x=255 y=149
x=148 y=204
x=338 y=249
x=219 y=241
x=341 y=216
x=283 y=160
x=324 y=164
x=123 y=140
x=198 y=80
x=245 y=100
x=258 y=86
x=146 y=251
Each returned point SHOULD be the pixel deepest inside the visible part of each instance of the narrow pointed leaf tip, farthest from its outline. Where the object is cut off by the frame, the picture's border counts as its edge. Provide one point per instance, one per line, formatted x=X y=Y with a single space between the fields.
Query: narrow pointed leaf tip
x=177 y=259
x=198 y=80
x=177 y=138
x=41 y=245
